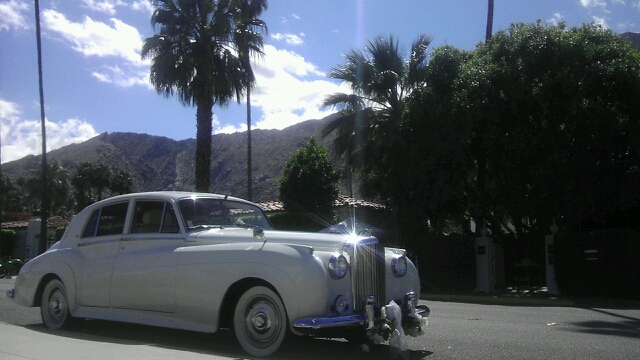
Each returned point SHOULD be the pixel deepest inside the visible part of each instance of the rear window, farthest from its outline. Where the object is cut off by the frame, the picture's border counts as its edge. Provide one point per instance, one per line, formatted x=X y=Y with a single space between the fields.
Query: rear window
x=107 y=220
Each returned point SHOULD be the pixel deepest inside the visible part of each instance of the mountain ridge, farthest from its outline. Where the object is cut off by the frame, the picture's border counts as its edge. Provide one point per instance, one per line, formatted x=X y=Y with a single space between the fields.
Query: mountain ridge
x=161 y=163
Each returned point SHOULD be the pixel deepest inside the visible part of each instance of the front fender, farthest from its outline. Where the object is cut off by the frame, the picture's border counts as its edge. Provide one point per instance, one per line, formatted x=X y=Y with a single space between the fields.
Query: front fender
x=205 y=273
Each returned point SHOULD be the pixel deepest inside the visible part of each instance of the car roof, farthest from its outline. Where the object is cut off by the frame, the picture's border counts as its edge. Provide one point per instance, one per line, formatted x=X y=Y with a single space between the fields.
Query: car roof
x=174 y=195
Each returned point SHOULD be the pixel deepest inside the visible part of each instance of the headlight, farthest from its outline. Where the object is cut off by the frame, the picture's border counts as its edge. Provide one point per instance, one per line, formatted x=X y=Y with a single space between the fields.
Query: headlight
x=399 y=266
x=338 y=266
x=340 y=304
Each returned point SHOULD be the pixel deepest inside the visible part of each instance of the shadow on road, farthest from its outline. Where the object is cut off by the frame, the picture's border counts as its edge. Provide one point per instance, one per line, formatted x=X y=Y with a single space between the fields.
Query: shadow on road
x=628 y=327
x=222 y=343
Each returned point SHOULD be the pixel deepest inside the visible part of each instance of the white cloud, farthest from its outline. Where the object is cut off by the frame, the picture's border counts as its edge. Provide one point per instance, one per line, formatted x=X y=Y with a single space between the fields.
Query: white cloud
x=555 y=20
x=600 y=21
x=290 y=90
x=105 y=6
x=143 y=5
x=291 y=39
x=593 y=3
x=94 y=38
x=12 y=15
x=21 y=137
x=98 y=39
x=123 y=78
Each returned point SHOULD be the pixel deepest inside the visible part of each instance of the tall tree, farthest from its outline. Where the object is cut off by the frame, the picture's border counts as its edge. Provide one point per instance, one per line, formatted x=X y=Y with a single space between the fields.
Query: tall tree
x=380 y=79
x=194 y=55
x=248 y=40
x=489 y=30
x=44 y=211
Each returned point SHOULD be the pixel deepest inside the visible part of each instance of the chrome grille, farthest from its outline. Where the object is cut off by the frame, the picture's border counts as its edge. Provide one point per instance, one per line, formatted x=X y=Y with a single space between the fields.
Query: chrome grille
x=367 y=274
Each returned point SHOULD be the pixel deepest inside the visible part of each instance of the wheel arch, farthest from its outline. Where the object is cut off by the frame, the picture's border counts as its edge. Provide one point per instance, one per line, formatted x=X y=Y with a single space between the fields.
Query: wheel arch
x=60 y=272
x=42 y=284
x=233 y=294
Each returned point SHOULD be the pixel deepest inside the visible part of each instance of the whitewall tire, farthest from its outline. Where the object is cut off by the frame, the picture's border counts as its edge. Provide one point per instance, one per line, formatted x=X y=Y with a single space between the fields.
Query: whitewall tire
x=260 y=321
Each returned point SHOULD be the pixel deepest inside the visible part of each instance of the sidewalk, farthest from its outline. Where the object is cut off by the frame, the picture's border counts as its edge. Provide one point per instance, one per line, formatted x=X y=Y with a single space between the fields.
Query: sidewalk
x=530 y=297
x=19 y=343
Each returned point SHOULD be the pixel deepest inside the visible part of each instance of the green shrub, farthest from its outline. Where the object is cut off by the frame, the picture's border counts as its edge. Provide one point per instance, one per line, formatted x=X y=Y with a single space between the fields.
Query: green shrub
x=8 y=242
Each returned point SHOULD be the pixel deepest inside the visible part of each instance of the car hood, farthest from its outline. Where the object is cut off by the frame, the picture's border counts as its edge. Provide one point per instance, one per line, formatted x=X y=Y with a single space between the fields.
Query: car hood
x=319 y=241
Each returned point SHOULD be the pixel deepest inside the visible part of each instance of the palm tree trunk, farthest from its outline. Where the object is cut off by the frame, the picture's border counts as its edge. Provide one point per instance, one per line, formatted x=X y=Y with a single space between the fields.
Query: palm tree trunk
x=489 y=21
x=249 y=174
x=44 y=209
x=203 y=145
x=481 y=180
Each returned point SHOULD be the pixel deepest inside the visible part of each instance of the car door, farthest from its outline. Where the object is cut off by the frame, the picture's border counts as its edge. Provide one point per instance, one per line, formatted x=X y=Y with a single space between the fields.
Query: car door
x=99 y=246
x=144 y=272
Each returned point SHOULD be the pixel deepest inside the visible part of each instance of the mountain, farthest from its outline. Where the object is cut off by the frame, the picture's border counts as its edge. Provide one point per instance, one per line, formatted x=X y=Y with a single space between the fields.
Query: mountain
x=160 y=163
x=633 y=38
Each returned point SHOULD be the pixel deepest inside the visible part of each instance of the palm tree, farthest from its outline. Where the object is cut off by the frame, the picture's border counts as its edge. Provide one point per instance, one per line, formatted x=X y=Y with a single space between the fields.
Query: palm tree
x=248 y=40
x=44 y=210
x=489 y=21
x=193 y=55
x=380 y=80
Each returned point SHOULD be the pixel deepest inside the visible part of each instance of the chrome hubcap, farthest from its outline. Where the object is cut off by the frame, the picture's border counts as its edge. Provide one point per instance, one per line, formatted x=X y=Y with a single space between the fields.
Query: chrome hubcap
x=263 y=323
x=57 y=306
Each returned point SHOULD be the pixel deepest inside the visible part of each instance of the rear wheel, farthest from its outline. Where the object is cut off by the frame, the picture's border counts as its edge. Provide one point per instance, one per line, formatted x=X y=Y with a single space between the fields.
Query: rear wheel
x=54 y=307
x=260 y=321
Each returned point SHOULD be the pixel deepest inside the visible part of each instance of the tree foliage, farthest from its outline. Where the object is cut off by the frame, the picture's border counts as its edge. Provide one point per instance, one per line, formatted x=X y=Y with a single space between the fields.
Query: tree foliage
x=549 y=114
x=11 y=196
x=59 y=190
x=309 y=181
x=94 y=180
x=194 y=55
x=380 y=79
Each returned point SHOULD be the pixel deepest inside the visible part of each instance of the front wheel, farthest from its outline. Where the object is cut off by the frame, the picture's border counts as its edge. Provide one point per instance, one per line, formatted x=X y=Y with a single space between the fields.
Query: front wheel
x=54 y=307
x=3 y=272
x=260 y=321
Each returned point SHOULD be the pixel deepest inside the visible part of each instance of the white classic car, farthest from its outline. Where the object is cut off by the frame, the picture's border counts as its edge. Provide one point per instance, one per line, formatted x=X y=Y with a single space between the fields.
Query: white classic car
x=203 y=262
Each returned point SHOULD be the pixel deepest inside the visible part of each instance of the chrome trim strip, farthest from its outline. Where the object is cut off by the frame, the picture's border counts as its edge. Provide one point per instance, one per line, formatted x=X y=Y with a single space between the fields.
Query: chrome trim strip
x=423 y=310
x=312 y=324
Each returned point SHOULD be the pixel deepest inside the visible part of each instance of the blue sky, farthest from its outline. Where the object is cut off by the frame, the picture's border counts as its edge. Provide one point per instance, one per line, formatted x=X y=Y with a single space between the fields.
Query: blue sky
x=95 y=81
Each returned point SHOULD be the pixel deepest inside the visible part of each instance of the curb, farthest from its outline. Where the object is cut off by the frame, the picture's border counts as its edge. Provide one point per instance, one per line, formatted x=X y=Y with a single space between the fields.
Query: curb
x=498 y=300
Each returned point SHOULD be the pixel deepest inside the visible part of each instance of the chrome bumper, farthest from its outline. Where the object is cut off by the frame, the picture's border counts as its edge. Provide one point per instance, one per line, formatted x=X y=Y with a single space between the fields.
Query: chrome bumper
x=366 y=319
x=10 y=293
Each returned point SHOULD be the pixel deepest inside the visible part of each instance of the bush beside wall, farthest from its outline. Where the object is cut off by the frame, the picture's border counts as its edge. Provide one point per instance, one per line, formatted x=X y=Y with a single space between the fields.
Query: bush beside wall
x=8 y=242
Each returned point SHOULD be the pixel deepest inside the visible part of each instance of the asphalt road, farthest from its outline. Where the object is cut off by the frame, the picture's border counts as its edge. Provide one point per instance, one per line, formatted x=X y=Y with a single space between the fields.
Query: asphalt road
x=455 y=331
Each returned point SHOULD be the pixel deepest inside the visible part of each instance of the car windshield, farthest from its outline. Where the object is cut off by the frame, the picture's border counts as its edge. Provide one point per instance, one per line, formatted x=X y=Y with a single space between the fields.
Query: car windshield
x=200 y=213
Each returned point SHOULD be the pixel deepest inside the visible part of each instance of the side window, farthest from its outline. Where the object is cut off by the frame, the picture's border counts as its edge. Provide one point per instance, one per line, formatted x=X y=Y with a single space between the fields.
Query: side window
x=153 y=217
x=170 y=222
x=92 y=225
x=108 y=220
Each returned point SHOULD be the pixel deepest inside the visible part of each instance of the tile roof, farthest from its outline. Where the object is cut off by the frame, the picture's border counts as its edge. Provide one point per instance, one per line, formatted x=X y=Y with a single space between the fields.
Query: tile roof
x=52 y=222
x=341 y=201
